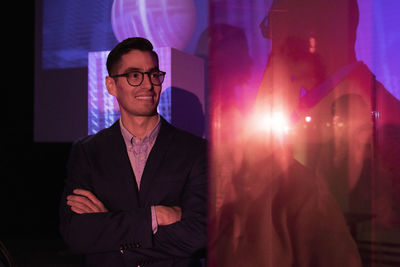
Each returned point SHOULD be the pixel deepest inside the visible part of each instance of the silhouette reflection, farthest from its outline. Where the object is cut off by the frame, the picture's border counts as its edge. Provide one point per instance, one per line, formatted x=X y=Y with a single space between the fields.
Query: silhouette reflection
x=353 y=141
x=288 y=194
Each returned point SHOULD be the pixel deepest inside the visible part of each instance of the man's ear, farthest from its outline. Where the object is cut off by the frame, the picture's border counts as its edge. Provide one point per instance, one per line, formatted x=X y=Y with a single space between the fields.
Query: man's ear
x=111 y=86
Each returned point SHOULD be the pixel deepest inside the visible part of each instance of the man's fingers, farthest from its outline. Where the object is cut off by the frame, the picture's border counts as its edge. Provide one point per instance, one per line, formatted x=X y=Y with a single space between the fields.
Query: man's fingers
x=168 y=215
x=89 y=199
x=178 y=212
x=92 y=197
x=81 y=203
x=87 y=194
x=78 y=210
x=177 y=208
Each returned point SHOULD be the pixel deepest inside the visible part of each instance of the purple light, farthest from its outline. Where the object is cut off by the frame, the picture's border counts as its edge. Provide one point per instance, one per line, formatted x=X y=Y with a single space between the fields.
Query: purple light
x=166 y=23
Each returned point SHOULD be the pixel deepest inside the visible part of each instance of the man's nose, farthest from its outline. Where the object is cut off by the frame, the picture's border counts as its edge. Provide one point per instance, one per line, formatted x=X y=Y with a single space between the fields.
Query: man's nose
x=147 y=84
x=265 y=28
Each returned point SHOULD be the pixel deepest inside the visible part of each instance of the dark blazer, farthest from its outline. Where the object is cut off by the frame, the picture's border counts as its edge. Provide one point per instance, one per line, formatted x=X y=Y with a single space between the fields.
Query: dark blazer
x=175 y=175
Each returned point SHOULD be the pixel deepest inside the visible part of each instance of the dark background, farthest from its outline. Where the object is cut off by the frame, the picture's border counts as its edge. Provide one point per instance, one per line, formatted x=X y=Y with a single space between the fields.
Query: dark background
x=32 y=173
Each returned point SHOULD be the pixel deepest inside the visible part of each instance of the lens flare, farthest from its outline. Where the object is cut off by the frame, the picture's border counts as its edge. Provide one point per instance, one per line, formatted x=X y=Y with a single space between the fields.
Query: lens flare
x=276 y=123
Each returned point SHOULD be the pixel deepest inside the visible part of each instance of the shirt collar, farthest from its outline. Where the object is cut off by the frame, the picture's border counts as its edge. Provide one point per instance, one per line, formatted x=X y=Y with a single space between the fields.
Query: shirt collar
x=150 y=138
x=312 y=97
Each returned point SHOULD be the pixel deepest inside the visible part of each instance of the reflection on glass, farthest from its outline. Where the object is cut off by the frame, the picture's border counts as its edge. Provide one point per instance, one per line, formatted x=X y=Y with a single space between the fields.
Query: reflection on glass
x=310 y=175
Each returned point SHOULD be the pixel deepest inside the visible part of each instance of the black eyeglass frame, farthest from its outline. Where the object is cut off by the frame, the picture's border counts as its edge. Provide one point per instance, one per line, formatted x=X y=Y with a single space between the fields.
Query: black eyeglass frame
x=126 y=75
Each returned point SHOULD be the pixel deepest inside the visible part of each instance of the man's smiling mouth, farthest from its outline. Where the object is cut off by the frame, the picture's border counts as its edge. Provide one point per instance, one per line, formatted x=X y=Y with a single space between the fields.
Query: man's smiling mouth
x=144 y=97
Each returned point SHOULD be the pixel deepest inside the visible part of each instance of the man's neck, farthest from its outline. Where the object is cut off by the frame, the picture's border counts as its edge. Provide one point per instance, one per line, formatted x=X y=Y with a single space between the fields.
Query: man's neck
x=139 y=126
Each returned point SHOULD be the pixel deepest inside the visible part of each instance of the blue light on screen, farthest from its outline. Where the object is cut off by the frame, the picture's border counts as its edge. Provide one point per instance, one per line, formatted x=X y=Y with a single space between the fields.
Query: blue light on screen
x=378 y=41
x=72 y=29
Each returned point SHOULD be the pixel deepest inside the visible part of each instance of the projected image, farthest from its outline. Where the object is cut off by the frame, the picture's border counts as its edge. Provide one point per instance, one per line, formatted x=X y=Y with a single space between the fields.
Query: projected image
x=72 y=29
x=168 y=23
x=103 y=108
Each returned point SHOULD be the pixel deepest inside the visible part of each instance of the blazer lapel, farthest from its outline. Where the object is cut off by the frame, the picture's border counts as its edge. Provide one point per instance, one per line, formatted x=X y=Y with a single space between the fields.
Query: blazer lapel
x=156 y=157
x=122 y=166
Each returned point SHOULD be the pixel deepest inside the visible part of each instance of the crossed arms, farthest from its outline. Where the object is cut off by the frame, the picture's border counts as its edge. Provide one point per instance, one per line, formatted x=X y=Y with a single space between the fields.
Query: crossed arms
x=88 y=225
x=84 y=201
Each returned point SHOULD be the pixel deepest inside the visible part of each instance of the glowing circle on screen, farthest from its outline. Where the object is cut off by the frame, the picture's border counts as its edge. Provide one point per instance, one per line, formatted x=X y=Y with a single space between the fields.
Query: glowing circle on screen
x=166 y=23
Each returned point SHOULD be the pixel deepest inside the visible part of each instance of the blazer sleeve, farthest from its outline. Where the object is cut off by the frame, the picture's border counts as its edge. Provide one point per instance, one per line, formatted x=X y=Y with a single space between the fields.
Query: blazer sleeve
x=99 y=232
x=188 y=237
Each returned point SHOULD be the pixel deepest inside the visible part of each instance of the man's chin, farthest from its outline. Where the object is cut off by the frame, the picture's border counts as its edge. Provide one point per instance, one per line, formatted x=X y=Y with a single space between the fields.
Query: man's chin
x=149 y=114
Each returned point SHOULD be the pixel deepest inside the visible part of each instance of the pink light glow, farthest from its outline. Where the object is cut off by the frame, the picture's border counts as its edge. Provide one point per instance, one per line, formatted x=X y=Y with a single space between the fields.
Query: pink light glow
x=274 y=122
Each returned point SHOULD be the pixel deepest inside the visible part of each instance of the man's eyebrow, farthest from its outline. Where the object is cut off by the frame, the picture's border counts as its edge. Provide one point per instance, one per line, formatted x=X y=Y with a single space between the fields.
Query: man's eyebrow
x=130 y=69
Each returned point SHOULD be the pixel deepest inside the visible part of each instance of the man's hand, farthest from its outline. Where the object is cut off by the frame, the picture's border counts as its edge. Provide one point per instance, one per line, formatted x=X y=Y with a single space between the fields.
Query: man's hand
x=84 y=201
x=168 y=215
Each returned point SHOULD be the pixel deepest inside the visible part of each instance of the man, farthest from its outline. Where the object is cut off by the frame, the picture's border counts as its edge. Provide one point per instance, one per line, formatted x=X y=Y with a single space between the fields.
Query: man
x=314 y=73
x=135 y=193
x=266 y=208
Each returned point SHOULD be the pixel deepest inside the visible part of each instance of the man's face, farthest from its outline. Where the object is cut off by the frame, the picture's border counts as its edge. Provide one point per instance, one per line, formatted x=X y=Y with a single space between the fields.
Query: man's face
x=295 y=49
x=139 y=100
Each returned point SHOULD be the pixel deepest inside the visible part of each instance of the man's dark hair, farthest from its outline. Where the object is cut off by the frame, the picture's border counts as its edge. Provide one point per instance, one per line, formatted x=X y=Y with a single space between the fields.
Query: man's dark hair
x=124 y=47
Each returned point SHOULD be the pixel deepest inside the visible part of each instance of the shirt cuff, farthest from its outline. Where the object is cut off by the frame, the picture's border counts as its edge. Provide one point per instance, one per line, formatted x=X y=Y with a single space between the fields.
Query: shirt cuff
x=154 y=223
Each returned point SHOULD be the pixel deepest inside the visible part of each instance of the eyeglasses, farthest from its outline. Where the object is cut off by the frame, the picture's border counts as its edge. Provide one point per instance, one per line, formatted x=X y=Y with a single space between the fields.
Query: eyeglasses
x=135 y=78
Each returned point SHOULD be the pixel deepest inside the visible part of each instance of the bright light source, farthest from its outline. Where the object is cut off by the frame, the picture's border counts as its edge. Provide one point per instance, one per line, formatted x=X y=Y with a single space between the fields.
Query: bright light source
x=276 y=122
x=312 y=42
x=307 y=118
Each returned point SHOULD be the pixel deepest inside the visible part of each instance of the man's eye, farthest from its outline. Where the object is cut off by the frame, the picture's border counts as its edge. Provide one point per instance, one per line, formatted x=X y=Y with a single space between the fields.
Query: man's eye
x=135 y=75
x=155 y=74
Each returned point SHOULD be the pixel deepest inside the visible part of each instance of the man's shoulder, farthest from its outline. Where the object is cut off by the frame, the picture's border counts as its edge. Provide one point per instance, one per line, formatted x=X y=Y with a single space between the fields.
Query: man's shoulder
x=102 y=136
x=182 y=137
